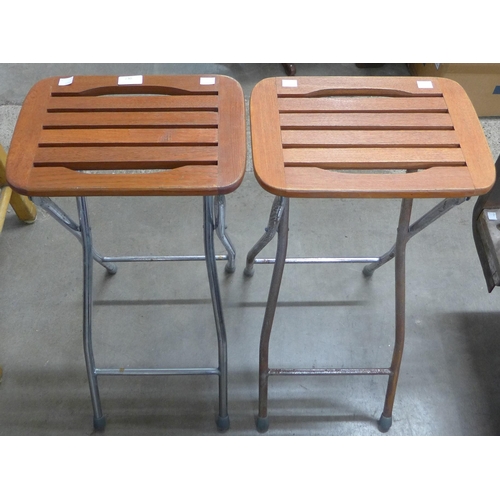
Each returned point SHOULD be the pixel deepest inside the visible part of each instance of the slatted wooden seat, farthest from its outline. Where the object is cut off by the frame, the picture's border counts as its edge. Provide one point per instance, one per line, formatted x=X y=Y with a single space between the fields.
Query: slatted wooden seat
x=134 y=136
x=361 y=137
x=313 y=139
x=188 y=130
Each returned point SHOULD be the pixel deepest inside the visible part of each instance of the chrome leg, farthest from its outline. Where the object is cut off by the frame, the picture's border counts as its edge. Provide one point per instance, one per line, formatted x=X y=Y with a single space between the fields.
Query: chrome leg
x=65 y=220
x=272 y=227
x=209 y=228
x=403 y=236
x=220 y=225
x=282 y=217
x=99 y=419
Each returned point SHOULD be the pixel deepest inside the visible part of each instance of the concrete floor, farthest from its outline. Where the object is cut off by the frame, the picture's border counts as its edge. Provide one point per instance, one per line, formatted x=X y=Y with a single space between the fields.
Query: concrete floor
x=160 y=315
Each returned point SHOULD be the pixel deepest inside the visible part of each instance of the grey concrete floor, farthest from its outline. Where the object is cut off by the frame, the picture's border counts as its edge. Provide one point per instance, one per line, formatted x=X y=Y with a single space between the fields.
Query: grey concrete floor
x=160 y=314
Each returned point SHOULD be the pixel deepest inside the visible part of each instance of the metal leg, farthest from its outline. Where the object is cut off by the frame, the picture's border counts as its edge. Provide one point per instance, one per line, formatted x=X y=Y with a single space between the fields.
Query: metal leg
x=272 y=228
x=220 y=224
x=65 y=220
x=415 y=228
x=402 y=239
x=282 y=217
x=99 y=419
x=209 y=228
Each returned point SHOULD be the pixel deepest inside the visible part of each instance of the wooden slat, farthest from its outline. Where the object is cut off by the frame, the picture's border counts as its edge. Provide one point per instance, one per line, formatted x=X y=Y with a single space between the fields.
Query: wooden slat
x=90 y=158
x=133 y=103
x=130 y=119
x=267 y=151
x=431 y=183
x=323 y=86
x=152 y=84
x=472 y=139
x=369 y=138
x=58 y=181
x=361 y=121
x=130 y=137
x=362 y=104
x=25 y=138
x=369 y=158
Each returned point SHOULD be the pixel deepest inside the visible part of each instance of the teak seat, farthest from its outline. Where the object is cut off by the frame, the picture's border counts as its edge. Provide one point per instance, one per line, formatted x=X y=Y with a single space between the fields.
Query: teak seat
x=190 y=134
x=138 y=135
x=361 y=137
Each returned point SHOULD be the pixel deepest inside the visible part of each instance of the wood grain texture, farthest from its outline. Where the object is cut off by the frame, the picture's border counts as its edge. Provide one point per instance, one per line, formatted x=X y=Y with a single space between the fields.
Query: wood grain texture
x=358 y=136
x=170 y=135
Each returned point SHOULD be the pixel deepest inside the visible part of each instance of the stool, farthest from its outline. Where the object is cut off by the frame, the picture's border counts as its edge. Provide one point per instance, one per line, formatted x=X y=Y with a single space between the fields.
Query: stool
x=169 y=136
x=361 y=137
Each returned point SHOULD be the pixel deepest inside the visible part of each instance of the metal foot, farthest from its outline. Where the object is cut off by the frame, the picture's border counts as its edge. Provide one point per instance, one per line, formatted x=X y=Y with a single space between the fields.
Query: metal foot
x=262 y=424
x=229 y=269
x=99 y=423
x=367 y=272
x=384 y=423
x=249 y=272
x=223 y=423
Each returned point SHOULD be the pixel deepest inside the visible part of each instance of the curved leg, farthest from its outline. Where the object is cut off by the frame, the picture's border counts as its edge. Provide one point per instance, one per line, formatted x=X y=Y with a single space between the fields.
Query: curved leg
x=271 y=229
x=220 y=225
x=403 y=236
x=99 y=419
x=65 y=220
x=262 y=419
x=209 y=228
x=427 y=219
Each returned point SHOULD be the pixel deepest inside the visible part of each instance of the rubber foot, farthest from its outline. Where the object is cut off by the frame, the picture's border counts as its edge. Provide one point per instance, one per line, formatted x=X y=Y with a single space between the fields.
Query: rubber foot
x=262 y=424
x=249 y=272
x=223 y=423
x=112 y=269
x=384 y=423
x=99 y=423
x=368 y=273
x=229 y=269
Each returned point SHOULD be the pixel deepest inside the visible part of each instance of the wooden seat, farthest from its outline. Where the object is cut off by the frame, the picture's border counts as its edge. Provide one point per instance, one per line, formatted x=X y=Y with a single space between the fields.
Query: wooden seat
x=355 y=136
x=187 y=132
x=361 y=137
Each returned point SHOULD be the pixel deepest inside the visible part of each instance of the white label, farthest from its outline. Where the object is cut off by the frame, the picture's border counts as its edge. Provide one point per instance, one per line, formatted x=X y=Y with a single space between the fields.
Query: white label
x=130 y=80
x=289 y=83
x=437 y=65
x=65 y=81
x=492 y=216
x=425 y=85
x=207 y=80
